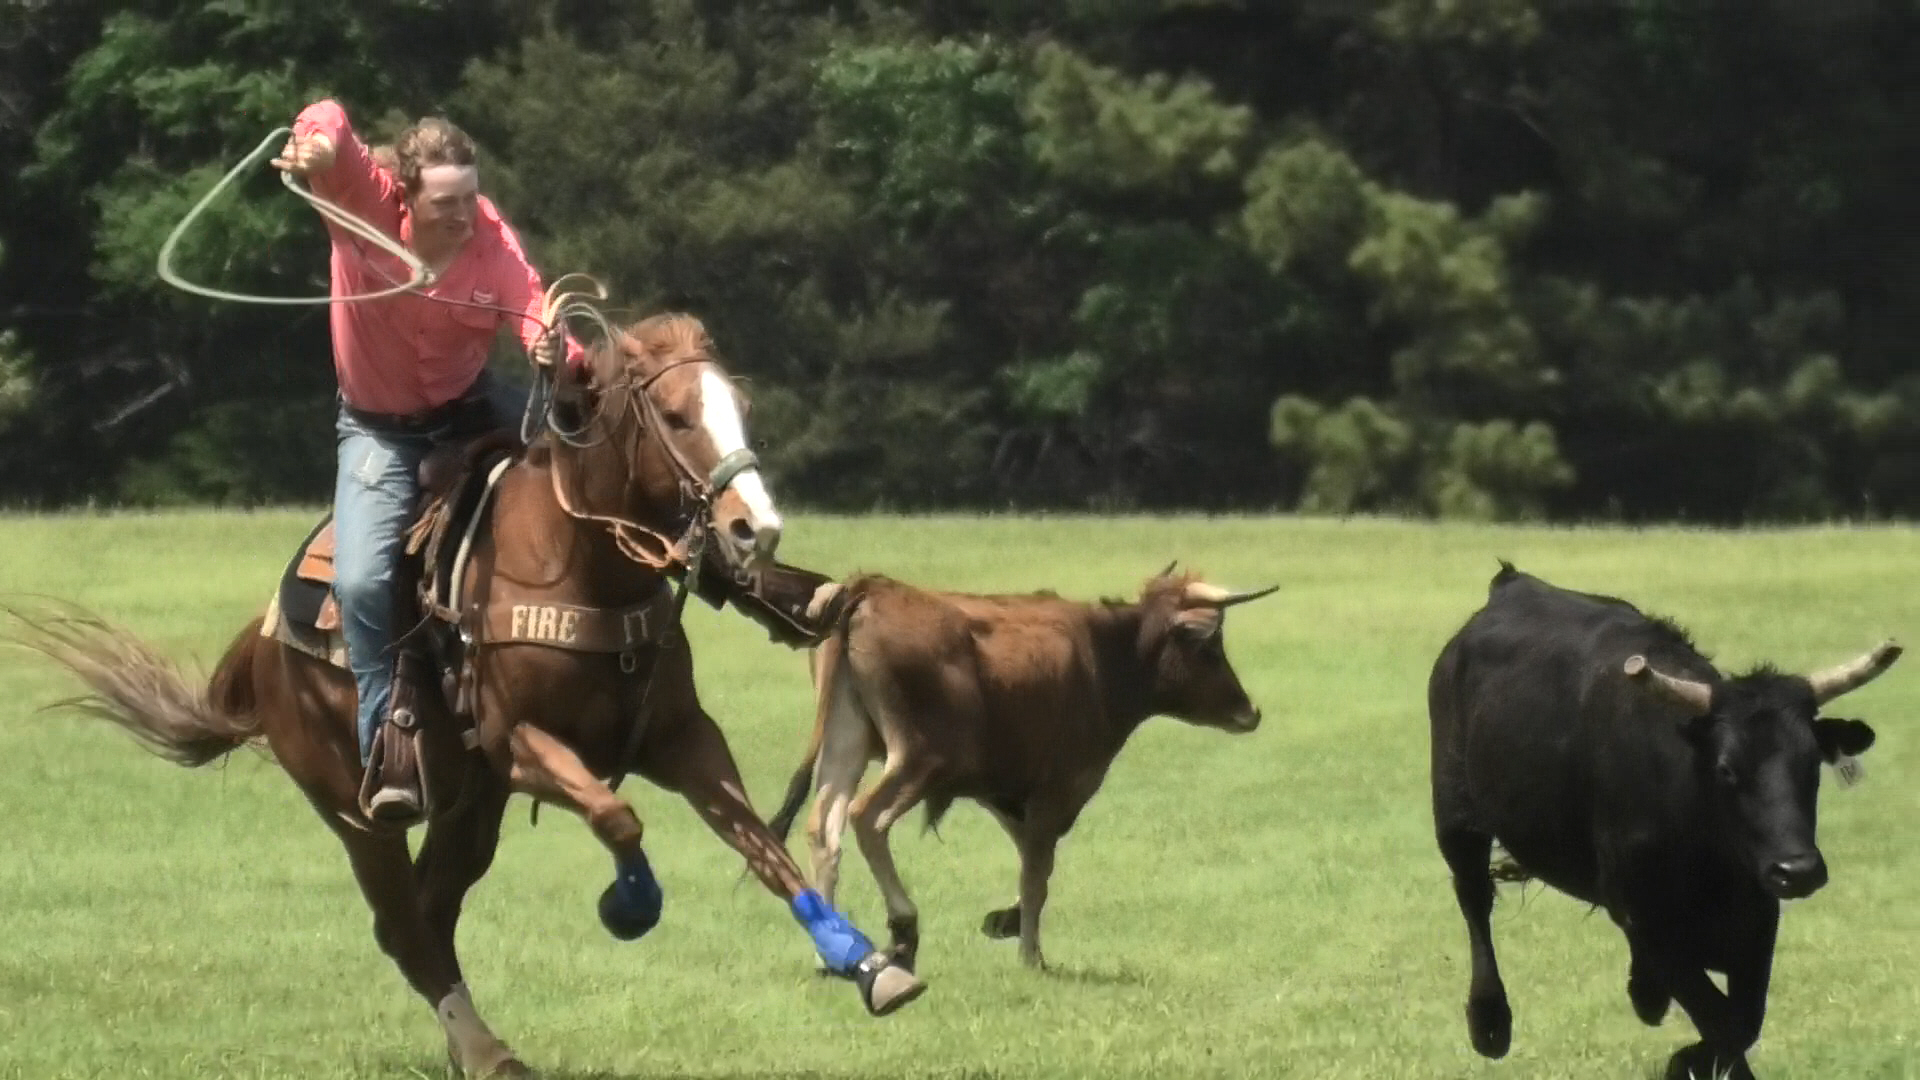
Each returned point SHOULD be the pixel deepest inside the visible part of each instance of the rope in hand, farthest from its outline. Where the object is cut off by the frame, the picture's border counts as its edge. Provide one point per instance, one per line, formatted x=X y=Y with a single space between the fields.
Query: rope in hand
x=420 y=274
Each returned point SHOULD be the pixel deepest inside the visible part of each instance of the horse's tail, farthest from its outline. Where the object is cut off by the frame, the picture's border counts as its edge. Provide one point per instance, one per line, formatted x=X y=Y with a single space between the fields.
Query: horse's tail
x=136 y=688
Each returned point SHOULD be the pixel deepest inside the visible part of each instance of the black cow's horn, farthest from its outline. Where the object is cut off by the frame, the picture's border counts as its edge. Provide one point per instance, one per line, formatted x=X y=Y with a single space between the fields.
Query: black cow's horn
x=1697 y=696
x=1854 y=674
x=1202 y=593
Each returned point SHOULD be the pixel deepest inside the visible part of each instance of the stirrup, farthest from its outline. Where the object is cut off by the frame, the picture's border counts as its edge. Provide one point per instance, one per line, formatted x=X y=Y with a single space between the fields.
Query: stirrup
x=397 y=801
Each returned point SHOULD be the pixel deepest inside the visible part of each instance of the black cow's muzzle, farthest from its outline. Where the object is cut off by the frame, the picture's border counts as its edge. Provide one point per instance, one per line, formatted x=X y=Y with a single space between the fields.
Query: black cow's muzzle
x=1796 y=877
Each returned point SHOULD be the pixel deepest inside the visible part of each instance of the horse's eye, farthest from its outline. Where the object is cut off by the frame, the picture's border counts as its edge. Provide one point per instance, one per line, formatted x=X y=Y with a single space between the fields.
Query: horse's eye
x=677 y=420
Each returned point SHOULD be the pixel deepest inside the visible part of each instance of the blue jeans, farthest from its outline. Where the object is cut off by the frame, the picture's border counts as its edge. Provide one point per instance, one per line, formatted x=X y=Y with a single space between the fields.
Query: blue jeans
x=375 y=492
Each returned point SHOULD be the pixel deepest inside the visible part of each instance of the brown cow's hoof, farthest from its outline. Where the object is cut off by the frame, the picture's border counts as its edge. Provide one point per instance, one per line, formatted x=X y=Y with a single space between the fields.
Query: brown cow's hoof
x=886 y=986
x=504 y=1066
x=509 y=1068
x=1002 y=924
x=906 y=940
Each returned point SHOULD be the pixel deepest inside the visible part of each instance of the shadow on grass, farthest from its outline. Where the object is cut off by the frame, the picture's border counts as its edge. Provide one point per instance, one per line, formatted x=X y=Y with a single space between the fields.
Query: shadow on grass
x=1088 y=975
x=438 y=1069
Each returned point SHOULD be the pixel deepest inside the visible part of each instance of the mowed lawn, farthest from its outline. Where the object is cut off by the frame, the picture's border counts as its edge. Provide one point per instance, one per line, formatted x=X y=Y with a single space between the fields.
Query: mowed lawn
x=1266 y=905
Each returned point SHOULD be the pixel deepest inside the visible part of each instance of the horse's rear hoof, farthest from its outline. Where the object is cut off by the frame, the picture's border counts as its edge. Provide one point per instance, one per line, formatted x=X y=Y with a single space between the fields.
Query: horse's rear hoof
x=886 y=986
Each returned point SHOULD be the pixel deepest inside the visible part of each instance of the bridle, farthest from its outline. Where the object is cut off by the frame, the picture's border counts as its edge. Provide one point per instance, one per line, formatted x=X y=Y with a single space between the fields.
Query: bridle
x=697 y=492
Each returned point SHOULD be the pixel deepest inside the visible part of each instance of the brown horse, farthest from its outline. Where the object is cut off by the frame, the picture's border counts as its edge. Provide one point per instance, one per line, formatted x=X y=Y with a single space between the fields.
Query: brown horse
x=629 y=460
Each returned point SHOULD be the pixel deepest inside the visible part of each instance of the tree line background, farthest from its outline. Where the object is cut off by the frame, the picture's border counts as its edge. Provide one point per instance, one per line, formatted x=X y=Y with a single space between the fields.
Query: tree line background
x=1632 y=260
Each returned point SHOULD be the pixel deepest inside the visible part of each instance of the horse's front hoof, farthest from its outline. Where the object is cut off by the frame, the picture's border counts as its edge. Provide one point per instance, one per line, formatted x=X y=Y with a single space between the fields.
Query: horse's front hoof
x=626 y=919
x=886 y=986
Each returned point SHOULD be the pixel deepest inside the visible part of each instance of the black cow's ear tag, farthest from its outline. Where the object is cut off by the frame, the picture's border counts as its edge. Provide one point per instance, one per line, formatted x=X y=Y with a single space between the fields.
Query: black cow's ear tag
x=1848 y=769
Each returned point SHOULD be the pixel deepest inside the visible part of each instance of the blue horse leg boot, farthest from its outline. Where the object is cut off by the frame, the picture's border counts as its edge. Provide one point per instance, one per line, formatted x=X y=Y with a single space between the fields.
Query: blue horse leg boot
x=884 y=985
x=631 y=905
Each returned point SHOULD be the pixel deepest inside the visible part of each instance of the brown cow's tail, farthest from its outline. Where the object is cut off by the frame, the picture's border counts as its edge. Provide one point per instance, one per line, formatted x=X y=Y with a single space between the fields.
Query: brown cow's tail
x=825 y=664
x=825 y=661
x=141 y=691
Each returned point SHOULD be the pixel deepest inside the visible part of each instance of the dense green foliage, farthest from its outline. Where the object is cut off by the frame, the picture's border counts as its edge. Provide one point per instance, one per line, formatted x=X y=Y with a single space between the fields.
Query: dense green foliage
x=1502 y=260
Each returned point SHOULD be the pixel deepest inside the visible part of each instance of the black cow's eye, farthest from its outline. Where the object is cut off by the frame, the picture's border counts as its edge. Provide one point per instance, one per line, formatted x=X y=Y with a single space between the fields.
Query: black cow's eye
x=1724 y=773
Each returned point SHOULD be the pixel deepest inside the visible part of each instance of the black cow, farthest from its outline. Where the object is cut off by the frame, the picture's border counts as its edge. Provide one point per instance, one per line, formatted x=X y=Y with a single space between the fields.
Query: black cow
x=1614 y=763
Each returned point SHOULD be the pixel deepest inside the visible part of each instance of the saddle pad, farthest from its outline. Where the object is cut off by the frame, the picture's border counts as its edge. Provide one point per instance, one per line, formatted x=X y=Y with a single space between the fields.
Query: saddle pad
x=306 y=589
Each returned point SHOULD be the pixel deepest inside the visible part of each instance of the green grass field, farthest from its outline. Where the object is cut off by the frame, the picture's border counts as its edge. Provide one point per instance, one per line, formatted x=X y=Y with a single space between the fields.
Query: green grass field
x=1269 y=905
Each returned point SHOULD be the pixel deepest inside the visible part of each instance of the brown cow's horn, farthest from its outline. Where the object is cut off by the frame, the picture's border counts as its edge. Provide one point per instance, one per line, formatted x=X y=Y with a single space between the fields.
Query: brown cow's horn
x=1697 y=696
x=1854 y=674
x=1200 y=592
x=1168 y=572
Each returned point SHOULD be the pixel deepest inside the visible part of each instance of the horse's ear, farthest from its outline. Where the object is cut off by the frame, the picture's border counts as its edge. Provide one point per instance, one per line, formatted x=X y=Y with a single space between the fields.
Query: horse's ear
x=570 y=391
x=571 y=378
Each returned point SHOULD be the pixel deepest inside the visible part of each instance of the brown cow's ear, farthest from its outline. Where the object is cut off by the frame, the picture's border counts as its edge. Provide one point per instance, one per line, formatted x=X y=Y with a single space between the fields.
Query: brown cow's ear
x=1197 y=626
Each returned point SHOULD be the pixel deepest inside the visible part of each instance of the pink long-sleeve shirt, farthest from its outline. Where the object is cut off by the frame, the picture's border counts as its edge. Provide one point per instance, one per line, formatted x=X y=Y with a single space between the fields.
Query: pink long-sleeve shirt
x=406 y=353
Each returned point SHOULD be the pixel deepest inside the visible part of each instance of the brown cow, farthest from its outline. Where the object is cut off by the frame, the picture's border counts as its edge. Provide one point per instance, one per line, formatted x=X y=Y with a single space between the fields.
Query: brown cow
x=1020 y=703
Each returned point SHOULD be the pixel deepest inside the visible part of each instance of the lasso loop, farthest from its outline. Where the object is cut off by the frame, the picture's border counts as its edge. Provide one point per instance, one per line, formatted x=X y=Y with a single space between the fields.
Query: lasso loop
x=421 y=275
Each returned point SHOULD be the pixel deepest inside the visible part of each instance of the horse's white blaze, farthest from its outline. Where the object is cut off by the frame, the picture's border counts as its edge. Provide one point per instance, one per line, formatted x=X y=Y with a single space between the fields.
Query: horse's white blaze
x=473 y=1043
x=720 y=415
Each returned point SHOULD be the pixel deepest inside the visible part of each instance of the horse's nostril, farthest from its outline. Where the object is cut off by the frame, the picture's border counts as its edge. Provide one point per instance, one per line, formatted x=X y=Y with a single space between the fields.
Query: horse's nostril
x=741 y=531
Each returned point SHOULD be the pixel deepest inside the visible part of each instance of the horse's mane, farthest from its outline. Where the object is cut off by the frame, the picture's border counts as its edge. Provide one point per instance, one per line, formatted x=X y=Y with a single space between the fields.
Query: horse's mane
x=650 y=345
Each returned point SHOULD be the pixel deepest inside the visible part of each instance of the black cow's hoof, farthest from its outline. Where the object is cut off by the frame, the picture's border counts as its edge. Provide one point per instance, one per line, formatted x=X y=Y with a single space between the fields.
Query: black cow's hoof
x=1702 y=1062
x=1650 y=999
x=1490 y=1025
x=1002 y=924
x=884 y=985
